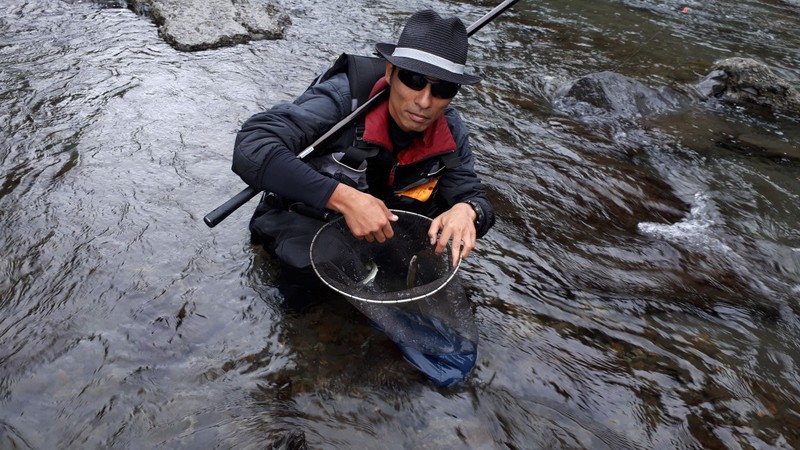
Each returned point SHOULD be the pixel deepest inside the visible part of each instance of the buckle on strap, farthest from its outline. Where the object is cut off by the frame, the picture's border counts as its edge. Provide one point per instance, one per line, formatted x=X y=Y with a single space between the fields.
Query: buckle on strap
x=354 y=158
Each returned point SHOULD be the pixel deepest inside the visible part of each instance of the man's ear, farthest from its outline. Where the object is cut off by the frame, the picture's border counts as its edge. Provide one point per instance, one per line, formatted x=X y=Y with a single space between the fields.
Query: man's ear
x=388 y=73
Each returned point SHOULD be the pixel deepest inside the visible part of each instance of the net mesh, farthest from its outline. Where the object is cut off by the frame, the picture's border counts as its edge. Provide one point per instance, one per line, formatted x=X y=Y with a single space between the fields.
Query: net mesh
x=401 y=269
x=436 y=334
x=407 y=291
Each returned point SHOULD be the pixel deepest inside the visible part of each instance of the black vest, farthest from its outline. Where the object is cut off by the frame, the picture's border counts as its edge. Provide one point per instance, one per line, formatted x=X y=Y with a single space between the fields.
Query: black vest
x=363 y=165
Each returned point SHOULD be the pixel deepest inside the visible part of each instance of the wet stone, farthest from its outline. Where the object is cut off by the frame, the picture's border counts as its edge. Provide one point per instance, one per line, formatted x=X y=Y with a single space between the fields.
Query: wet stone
x=612 y=96
x=189 y=25
x=746 y=81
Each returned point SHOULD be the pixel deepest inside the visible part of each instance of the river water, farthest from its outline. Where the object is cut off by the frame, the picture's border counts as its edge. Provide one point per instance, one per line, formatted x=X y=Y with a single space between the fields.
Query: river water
x=640 y=289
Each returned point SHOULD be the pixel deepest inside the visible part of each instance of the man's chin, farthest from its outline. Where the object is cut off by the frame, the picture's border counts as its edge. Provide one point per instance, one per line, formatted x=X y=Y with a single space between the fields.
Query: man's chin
x=413 y=126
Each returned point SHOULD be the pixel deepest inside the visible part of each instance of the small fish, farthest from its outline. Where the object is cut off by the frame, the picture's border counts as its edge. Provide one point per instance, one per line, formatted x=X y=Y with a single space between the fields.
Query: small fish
x=411 y=276
x=373 y=272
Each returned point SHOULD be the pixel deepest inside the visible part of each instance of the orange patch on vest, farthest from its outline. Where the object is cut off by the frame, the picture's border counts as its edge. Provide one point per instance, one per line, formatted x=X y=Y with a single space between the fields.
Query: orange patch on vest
x=421 y=193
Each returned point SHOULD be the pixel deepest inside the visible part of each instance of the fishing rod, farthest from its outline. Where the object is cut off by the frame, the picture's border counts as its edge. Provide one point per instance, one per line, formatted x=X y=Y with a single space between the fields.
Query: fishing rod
x=221 y=212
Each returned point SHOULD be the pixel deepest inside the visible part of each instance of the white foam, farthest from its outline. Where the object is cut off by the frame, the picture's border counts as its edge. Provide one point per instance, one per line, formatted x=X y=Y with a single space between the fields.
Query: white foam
x=696 y=229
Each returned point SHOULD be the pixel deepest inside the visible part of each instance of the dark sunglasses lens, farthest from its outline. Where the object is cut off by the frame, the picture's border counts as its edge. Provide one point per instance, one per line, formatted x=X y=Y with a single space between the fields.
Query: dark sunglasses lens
x=417 y=82
x=444 y=89
x=413 y=80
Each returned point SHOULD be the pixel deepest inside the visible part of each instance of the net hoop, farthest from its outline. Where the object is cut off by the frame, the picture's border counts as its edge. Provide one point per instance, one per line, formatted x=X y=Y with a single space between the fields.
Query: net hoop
x=358 y=289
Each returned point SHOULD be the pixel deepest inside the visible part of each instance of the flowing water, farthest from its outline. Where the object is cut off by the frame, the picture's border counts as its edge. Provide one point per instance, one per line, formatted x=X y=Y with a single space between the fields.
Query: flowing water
x=640 y=288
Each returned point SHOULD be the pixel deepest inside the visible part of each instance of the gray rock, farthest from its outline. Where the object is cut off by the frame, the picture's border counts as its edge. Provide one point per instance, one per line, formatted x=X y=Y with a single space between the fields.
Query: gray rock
x=191 y=25
x=745 y=81
x=713 y=84
x=612 y=96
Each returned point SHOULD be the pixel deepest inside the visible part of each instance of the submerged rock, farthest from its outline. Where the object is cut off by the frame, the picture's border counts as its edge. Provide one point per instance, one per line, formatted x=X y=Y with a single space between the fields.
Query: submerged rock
x=612 y=96
x=191 y=25
x=745 y=81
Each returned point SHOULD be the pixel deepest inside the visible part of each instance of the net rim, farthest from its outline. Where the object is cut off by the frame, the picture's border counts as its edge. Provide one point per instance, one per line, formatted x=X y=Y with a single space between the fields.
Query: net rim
x=445 y=282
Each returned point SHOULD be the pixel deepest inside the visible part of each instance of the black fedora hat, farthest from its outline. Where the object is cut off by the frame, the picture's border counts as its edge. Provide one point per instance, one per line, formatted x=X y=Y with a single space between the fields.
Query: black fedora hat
x=433 y=46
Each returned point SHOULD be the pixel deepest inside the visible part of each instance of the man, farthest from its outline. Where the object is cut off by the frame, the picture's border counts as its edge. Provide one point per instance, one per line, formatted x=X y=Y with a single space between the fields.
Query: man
x=411 y=152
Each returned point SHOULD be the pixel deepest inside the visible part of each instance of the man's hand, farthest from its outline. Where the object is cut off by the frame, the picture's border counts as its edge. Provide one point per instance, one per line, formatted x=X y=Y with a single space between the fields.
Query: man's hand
x=366 y=216
x=456 y=224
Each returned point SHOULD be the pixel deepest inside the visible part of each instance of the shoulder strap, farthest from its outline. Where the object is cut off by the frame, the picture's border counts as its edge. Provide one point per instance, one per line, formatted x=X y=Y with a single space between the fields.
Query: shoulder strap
x=338 y=66
x=363 y=72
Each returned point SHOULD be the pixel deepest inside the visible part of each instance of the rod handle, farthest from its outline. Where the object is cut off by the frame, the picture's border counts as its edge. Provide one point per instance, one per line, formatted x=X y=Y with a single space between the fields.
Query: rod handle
x=224 y=210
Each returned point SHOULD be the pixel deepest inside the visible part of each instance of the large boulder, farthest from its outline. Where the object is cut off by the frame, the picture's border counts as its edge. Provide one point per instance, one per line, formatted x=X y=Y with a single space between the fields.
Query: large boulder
x=191 y=25
x=745 y=81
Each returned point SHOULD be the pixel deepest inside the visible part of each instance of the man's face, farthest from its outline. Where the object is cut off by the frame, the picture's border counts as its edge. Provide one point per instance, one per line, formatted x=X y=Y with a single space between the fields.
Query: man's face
x=412 y=110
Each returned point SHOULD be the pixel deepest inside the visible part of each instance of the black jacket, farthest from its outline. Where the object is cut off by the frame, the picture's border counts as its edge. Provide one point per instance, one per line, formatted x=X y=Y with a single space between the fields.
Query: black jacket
x=266 y=149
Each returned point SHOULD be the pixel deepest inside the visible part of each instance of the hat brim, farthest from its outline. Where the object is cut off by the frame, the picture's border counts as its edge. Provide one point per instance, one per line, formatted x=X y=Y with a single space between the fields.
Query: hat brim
x=430 y=70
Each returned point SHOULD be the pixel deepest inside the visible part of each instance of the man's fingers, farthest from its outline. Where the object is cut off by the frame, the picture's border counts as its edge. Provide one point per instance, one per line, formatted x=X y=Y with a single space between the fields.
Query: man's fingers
x=388 y=231
x=457 y=251
x=433 y=231
x=455 y=226
x=441 y=243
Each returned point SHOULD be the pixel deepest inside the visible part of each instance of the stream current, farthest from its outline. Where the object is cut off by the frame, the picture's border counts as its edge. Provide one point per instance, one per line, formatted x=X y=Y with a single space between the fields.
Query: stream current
x=639 y=290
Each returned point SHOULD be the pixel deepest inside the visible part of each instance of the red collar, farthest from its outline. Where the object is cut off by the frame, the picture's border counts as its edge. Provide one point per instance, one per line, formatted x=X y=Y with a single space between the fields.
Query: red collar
x=435 y=139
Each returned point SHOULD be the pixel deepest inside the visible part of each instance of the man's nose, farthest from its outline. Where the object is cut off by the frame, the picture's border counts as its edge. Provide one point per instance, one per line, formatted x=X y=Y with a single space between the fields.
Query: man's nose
x=424 y=97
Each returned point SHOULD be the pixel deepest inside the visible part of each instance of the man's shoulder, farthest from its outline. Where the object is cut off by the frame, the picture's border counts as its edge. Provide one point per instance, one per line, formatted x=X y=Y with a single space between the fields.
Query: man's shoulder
x=456 y=124
x=336 y=87
x=358 y=72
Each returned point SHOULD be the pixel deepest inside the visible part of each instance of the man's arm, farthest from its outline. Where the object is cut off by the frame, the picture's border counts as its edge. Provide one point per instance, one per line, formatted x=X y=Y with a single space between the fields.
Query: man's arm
x=457 y=186
x=266 y=147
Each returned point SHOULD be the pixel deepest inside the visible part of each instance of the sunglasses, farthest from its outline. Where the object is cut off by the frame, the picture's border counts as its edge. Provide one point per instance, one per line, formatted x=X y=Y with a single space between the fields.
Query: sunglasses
x=417 y=82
